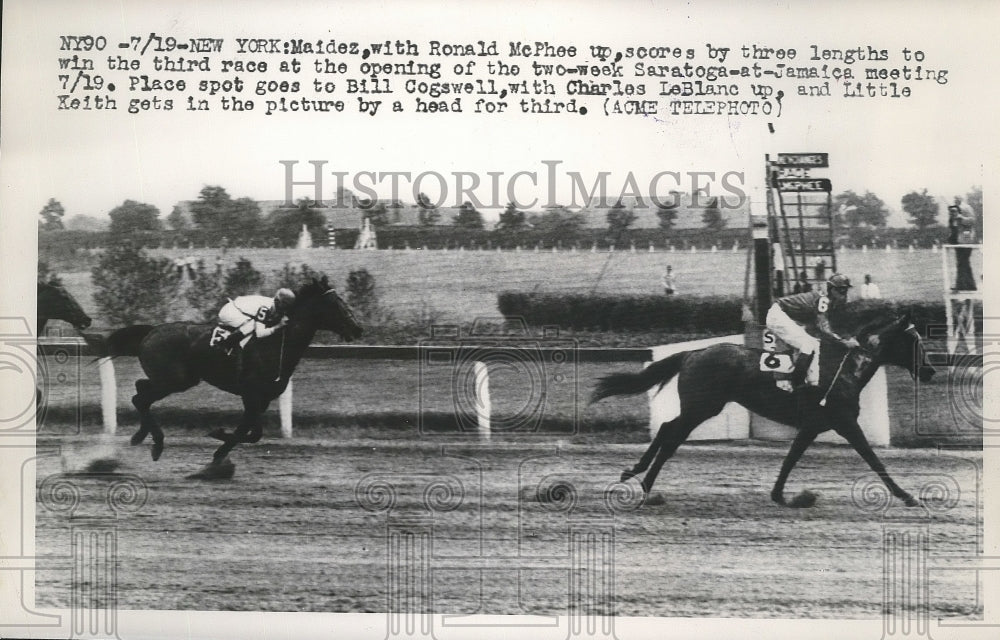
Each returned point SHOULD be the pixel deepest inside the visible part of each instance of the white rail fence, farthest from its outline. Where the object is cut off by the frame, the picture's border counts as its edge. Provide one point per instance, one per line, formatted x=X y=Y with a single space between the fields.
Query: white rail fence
x=734 y=422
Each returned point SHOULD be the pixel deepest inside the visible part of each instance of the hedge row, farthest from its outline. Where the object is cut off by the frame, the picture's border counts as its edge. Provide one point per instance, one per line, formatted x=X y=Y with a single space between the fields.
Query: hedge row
x=721 y=315
x=624 y=313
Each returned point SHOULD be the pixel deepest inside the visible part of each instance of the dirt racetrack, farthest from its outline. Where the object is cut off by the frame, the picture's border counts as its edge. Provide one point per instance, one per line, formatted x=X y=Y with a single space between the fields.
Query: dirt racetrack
x=327 y=525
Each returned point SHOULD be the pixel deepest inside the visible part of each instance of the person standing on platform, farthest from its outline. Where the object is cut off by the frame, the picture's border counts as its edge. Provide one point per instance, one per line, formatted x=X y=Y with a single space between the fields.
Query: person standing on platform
x=803 y=285
x=960 y=232
x=870 y=290
x=821 y=270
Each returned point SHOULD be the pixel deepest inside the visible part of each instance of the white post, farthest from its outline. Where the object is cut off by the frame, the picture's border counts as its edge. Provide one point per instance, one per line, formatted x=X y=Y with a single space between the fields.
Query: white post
x=109 y=395
x=285 y=410
x=483 y=405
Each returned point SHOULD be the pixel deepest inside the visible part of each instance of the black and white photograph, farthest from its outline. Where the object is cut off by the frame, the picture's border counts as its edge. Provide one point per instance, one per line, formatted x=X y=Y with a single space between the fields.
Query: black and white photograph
x=488 y=320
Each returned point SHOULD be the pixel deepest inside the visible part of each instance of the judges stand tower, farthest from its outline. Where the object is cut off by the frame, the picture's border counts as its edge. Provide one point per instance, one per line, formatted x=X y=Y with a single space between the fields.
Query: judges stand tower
x=961 y=292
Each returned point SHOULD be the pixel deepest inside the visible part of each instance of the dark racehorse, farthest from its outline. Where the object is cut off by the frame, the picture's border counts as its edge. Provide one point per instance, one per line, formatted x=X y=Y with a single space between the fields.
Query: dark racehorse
x=177 y=356
x=55 y=303
x=711 y=377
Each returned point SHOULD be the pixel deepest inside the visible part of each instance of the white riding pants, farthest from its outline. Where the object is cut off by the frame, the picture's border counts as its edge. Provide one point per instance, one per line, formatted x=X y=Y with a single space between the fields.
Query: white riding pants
x=792 y=333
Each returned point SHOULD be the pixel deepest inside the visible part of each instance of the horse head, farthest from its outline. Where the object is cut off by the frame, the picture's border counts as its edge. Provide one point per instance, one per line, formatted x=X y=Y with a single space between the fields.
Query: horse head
x=899 y=343
x=327 y=309
x=55 y=303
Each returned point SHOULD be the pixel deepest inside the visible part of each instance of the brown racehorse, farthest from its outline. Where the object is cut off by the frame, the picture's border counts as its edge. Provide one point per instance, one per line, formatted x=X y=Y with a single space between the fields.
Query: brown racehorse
x=177 y=356
x=55 y=303
x=711 y=377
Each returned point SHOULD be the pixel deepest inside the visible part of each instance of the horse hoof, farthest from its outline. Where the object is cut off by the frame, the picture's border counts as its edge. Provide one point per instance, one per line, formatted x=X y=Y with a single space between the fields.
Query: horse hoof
x=137 y=439
x=627 y=475
x=218 y=433
x=654 y=499
x=157 y=451
x=910 y=501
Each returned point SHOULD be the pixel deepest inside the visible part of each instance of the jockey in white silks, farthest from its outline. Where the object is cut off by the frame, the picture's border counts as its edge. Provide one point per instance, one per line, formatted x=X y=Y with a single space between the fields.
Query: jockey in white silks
x=789 y=317
x=254 y=316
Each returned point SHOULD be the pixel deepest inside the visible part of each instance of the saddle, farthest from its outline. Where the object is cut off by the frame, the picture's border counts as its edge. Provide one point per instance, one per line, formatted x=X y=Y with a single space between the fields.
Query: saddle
x=220 y=339
x=785 y=364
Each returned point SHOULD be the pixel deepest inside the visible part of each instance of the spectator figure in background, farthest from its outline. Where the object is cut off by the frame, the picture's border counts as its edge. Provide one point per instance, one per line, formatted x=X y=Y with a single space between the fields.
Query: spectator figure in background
x=960 y=232
x=869 y=290
x=821 y=270
x=803 y=285
x=669 y=282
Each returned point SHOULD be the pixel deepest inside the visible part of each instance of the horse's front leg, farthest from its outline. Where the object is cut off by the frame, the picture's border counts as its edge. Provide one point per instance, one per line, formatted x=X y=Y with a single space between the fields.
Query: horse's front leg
x=855 y=436
x=802 y=440
x=249 y=429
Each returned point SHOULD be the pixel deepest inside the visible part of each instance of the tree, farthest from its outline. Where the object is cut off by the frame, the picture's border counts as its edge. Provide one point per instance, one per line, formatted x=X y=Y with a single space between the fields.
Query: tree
x=711 y=217
x=376 y=212
x=922 y=209
x=468 y=217
x=619 y=219
x=558 y=222
x=667 y=211
x=858 y=211
x=285 y=224
x=216 y=213
x=51 y=215
x=511 y=219
x=428 y=214
x=131 y=217
x=132 y=288
x=81 y=222
x=177 y=220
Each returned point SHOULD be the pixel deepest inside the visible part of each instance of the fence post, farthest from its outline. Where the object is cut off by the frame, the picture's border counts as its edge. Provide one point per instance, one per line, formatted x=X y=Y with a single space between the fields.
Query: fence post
x=483 y=404
x=285 y=410
x=109 y=395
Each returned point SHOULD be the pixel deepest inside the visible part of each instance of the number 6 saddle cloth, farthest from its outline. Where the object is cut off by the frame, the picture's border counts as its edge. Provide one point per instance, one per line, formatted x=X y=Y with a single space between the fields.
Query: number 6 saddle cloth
x=779 y=360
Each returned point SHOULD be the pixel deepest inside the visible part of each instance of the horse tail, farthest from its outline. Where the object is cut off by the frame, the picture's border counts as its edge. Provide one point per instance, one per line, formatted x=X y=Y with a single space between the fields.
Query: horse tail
x=125 y=342
x=627 y=384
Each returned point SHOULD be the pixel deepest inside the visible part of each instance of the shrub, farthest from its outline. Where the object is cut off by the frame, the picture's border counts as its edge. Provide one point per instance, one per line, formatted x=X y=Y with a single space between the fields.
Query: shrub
x=361 y=293
x=47 y=275
x=130 y=287
x=625 y=313
x=242 y=279
x=293 y=278
x=205 y=295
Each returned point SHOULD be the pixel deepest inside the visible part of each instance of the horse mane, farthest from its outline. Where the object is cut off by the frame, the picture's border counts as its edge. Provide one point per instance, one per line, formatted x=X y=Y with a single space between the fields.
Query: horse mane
x=876 y=326
x=312 y=289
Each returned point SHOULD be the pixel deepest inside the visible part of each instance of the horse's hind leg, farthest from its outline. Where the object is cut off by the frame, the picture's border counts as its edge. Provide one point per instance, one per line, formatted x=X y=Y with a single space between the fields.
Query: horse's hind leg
x=676 y=432
x=146 y=394
x=650 y=453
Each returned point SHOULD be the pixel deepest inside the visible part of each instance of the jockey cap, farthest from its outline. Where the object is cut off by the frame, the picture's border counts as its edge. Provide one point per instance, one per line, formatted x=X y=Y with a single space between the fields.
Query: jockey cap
x=284 y=297
x=839 y=281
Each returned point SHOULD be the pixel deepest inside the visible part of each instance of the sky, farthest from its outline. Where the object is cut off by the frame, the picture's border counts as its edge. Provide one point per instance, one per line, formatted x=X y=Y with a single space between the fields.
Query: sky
x=91 y=161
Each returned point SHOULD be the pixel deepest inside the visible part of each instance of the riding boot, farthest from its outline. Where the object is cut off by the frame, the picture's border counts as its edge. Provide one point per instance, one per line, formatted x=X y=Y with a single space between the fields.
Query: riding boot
x=798 y=377
x=231 y=342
